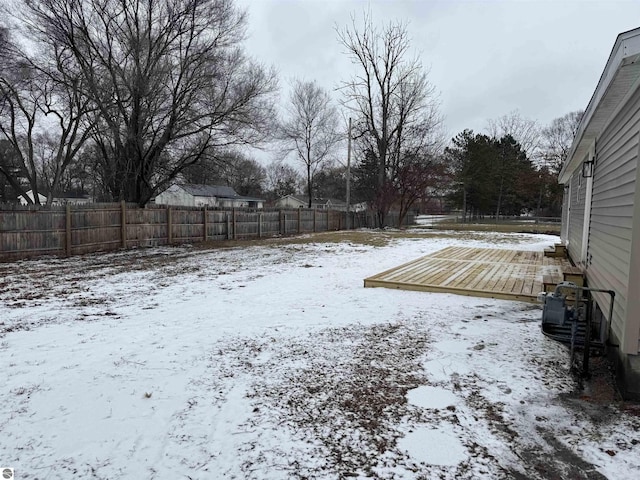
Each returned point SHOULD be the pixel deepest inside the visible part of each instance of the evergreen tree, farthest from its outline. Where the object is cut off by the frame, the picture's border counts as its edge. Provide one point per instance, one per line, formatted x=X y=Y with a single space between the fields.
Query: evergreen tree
x=493 y=177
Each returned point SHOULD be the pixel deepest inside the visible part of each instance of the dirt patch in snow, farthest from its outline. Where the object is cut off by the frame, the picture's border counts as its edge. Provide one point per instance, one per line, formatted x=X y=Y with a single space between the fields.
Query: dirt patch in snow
x=342 y=390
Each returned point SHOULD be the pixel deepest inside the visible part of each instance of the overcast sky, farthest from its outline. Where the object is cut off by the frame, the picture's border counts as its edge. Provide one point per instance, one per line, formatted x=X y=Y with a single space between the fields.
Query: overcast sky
x=486 y=58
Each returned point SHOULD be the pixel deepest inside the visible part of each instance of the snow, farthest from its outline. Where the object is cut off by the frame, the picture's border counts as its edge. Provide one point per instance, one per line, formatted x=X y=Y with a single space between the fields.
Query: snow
x=431 y=397
x=433 y=447
x=272 y=361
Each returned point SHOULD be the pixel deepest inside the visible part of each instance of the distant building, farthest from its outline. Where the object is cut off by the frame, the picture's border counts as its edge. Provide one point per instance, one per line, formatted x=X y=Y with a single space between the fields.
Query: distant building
x=29 y=193
x=72 y=199
x=192 y=195
x=302 y=201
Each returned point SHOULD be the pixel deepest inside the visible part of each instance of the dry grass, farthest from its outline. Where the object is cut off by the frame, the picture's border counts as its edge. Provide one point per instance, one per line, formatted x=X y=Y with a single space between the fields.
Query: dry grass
x=375 y=238
x=346 y=389
x=382 y=238
x=537 y=228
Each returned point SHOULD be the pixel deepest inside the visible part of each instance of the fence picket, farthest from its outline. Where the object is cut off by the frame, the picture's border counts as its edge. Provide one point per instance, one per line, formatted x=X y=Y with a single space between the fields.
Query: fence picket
x=78 y=229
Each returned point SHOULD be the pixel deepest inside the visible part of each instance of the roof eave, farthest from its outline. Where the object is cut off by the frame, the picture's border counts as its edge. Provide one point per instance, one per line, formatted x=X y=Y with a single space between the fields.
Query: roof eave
x=618 y=80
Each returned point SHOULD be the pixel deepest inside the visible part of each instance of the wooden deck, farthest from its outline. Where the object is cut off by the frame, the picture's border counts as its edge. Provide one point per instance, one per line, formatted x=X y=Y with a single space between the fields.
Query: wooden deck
x=476 y=272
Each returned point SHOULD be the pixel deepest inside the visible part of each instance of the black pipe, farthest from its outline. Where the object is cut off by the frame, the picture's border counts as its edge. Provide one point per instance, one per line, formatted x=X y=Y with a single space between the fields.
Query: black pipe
x=587 y=341
x=588 y=312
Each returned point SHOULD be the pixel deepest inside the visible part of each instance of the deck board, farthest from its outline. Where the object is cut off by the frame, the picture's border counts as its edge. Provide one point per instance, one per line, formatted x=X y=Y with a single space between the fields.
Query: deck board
x=482 y=272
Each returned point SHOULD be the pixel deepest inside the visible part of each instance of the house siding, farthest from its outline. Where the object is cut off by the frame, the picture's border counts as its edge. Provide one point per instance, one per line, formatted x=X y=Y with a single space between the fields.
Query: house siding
x=204 y=195
x=289 y=202
x=175 y=196
x=612 y=214
x=576 y=216
x=565 y=215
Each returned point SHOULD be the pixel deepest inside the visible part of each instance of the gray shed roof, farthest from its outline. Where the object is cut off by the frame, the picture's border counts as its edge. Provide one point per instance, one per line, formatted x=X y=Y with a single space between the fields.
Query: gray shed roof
x=209 y=191
x=217 y=191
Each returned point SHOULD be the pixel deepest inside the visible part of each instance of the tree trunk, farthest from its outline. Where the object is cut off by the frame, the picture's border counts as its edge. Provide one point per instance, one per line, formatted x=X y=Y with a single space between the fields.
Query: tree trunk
x=499 y=197
x=309 y=184
x=464 y=204
x=539 y=200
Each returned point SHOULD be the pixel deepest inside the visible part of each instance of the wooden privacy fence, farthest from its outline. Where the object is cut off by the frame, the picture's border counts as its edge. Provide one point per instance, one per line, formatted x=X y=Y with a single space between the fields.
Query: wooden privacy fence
x=78 y=229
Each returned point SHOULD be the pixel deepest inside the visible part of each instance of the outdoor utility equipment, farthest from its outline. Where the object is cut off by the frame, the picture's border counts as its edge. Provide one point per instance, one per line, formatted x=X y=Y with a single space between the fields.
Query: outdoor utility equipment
x=568 y=317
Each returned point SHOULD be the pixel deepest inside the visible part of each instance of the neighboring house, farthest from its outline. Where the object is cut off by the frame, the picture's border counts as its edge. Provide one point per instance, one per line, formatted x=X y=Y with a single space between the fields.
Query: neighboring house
x=292 y=201
x=190 y=195
x=72 y=199
x=601 y=211
x=302 y=201
x=29 y=193
x=359 y=207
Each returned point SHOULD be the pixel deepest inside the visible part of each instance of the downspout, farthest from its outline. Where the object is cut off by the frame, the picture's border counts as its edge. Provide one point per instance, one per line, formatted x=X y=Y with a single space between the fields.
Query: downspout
x=566 y=207
x=587 y=212
x=569 y=208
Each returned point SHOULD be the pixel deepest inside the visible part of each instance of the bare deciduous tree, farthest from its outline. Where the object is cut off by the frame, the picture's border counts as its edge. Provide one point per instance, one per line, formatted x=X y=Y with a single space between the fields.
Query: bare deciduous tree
x=523 y=130
x=394 y=104
x=18 y=110
x=417 y=179
x=167 y=79
x=4 y=41
x=310 y=130
x=558 y=137
x=232 y=168
x=282 y=179
x=42 y=116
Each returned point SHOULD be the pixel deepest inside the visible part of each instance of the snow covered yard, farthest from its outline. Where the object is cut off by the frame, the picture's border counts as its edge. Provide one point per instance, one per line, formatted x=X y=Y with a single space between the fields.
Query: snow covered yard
x=272 y=361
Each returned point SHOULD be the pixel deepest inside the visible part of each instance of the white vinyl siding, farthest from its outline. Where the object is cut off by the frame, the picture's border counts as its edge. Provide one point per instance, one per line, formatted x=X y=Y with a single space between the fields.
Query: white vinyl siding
x=565 y=215
x=576 y=215
x=611 y=222
x=175 y=196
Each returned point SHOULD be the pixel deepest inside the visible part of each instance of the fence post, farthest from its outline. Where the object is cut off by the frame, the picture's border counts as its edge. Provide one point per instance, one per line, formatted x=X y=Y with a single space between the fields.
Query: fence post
x=169 y=228
x=299 y=221
x=260 y=225
x=235 y=232
x=123 y=223
x=314 y=219
x=282 y=224
x=228 y=226
x=204 y=222
x=68 y=231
